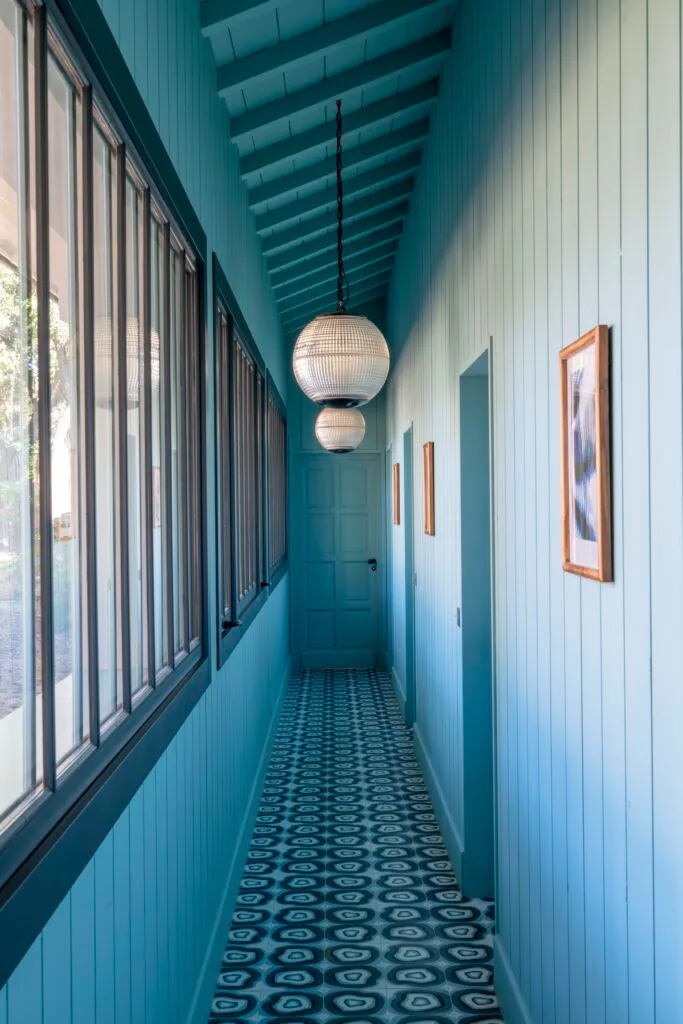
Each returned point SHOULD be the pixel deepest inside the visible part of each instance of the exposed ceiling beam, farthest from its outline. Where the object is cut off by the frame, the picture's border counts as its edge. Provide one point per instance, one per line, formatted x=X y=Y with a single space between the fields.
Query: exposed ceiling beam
x=218 y=14
x=360 y=297
x=328 y=241
x=374 y=113
x=371 y=179
x=339 y=85
x=365 y=259
x=329 y=288
x=327 y=221
x=386 y=143
x=316 y=42
x=327 y=260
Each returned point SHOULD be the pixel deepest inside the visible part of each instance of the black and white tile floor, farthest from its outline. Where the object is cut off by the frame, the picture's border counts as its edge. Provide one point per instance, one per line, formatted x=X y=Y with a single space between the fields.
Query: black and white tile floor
x=349 y=912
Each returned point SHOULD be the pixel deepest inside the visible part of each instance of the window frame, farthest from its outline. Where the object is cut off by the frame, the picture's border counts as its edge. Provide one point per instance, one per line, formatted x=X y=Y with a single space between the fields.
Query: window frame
x=276 y=570
x=45 y=847
x=230 y=632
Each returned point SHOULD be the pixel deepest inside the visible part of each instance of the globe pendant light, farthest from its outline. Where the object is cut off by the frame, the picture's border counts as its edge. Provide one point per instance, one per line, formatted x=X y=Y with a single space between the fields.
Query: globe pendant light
x=340 y=359
x=340 y=430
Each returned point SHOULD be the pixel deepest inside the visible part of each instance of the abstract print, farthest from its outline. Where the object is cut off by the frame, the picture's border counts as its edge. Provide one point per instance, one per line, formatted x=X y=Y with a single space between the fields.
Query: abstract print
x=582 y=448
x=349 y=911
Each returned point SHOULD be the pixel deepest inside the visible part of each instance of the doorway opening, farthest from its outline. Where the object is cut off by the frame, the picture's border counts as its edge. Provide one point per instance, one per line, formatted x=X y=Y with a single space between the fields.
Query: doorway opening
x=409 y=563
x=478 y=863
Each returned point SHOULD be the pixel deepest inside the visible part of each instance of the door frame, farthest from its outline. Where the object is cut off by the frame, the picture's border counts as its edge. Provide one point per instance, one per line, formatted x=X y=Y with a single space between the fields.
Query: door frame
x=488 y=350
x=409 y=573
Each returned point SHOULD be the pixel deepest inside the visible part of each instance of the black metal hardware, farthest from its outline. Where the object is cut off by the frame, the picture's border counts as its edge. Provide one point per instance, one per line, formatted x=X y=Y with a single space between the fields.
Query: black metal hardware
x=372 y=562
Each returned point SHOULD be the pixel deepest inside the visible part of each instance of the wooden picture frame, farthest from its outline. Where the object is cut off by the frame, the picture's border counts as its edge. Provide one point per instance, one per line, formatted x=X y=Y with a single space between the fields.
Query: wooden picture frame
x=428 y=482
x=585 y=457
x=397 y=493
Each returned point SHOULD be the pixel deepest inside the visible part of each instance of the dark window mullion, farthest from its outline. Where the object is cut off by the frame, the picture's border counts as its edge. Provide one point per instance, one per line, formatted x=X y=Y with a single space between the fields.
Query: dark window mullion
x=44 y=440
x=120 y=338
x=89 y=518
x=166 y=440
x=234 y=516
x=147 y=457
x=184 y=384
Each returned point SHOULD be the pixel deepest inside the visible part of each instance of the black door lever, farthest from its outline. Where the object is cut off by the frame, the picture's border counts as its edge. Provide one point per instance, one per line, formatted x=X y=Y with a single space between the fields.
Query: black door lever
x=372 y=562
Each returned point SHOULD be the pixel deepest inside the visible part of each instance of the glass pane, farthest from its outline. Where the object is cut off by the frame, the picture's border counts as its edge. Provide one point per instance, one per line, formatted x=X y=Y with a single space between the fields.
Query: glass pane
x=159 y=357
x=64 y=141
x=135 y=398
x=110 y=689
x=194 y=588
x=222 y=343
x=178 y=491
x=20 y=698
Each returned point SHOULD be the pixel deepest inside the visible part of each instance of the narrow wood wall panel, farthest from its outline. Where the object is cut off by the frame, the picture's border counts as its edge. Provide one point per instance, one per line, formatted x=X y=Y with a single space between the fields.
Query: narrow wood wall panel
x=549 y=201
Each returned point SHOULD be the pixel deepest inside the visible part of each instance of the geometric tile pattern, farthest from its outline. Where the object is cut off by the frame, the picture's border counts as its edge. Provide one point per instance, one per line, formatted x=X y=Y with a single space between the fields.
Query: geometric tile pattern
x=349 y=911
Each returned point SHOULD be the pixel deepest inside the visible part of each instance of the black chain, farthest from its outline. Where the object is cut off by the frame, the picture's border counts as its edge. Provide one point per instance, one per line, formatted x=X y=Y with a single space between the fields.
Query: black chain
x=342 y=293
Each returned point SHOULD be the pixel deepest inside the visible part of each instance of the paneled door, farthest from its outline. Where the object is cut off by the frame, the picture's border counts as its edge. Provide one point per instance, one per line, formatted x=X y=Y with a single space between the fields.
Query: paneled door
x=337 y=570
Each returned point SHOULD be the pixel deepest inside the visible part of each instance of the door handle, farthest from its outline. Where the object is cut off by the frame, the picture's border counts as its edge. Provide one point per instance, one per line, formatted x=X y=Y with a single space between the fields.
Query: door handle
x=372 y=562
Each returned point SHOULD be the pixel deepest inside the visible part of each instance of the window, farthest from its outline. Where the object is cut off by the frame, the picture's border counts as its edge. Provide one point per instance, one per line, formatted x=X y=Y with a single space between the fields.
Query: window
x=277 y=482
x=250 y=471
x=100 y=413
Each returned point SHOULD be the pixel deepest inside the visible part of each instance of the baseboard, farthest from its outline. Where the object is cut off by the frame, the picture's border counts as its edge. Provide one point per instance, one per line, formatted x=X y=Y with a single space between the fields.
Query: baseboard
x=399 y=690
x=201 y=1000
x=448 y=826
x=509 y=996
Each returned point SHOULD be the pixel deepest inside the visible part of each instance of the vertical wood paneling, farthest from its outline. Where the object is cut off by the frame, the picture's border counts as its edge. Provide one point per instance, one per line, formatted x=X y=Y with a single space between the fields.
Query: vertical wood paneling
x=549 y=200
x=612 y=599
x=122 y=918
x=56 y=980
x=24 y=989
x=105 y=965
x=666 y=474
x=83 y=950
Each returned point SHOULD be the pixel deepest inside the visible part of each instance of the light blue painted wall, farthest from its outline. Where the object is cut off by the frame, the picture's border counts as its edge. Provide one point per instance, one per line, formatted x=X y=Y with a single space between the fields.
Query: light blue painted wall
x=549 y=200
x=129 y=941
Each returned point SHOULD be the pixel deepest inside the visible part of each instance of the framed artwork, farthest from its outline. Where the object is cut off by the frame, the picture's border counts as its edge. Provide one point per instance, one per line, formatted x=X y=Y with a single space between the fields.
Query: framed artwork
x=586 y=483
x=428 y=481
x=397 y=494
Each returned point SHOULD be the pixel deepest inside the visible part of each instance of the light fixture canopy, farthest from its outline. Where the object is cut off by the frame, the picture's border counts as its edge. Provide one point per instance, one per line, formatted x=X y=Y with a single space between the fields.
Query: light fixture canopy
x=340 y=430
x=340 y=359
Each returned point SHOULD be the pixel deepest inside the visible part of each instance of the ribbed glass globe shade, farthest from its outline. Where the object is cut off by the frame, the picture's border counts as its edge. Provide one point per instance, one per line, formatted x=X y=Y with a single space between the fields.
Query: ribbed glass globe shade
x=340 y=430
x=341 y=360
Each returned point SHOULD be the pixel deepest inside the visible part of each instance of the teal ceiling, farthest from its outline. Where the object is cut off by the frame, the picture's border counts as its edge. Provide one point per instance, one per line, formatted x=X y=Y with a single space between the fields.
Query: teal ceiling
x=281 y=66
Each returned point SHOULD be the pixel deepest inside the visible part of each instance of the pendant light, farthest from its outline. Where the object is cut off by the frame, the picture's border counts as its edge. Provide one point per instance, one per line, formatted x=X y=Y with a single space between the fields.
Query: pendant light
x=340 y=359
x=340 y=430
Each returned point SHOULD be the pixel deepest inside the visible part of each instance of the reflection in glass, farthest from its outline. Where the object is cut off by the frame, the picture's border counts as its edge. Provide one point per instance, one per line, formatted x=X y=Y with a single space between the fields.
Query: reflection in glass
x=135 y=379
x=161 y=655
x=110 y=690
x=64 y=140
x=177 y=449
x=20 y=689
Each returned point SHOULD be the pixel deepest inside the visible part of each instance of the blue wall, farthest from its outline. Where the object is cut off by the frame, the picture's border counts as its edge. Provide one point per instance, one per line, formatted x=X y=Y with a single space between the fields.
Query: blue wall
x=549 y=200
x=134 y=937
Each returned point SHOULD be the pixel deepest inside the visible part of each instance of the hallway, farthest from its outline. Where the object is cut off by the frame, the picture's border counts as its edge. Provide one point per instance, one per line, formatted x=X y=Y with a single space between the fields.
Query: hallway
x=348 y=908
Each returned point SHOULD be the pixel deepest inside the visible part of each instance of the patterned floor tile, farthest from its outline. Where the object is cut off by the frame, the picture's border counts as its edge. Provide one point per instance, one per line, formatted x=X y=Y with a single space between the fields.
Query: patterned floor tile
x=348 y=910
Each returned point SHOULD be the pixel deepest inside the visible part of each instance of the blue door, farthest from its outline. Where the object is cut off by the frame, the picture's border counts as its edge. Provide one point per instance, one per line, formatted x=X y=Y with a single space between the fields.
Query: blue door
x=337 y=575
